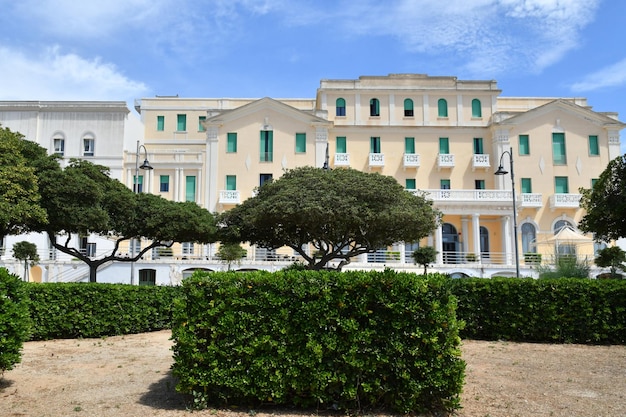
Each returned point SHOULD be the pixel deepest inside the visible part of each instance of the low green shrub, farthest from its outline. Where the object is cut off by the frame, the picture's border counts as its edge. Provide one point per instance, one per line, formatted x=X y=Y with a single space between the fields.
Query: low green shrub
x=67 y=310
x=14 y=321
x=567 y=310
x=351 y=340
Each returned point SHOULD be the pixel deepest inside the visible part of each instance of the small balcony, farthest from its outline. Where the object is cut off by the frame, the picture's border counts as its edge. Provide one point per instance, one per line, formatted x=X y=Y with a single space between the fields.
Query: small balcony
x=480 y=161
x=565 y=201
x=445 y=160
x=377 y=159
x=531 y=200
x=230 y=197
x=411 y=160
x=342 y=159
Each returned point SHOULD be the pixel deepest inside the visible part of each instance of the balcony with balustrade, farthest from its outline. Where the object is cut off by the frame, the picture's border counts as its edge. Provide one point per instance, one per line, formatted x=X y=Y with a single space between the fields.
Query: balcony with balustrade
x=377 y=160
x=565 y=201
x=230 y=197
x=411 y=160
x=445 y=160
x=480 y=161
x=342 y=159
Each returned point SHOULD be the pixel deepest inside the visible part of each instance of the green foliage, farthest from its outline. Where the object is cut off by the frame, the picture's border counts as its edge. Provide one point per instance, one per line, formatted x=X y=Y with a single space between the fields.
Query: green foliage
x=26 y=251
x=231 y=252
x=14 y=321
x=66 y=311
x=566 y=266
x=531 y=258
x=424 y=256
x=605 y=203
x=549 y=311
x=613 y=257
x=353 y=340
x=20 y=201
x=343 y=213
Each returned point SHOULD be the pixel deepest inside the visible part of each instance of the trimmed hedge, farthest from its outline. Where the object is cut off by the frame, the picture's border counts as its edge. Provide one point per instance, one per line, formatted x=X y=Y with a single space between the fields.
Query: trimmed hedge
x=14 y=321
x=565 y=310
x=351 y=340
x=75 y=310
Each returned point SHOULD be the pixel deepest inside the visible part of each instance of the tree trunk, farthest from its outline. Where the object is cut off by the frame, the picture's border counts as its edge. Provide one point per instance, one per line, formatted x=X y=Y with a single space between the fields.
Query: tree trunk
x=93 y=268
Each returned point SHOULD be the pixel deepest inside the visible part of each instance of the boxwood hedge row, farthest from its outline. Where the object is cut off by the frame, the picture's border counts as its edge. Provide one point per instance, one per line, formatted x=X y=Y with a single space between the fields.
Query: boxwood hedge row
x=352 y=340
x=565 y=310
x=14 y=321
x=67 y=311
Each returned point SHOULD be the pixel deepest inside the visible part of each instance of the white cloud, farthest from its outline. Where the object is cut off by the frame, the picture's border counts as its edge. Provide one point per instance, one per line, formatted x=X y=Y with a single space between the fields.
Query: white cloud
x=56 y=76
x=611 y=76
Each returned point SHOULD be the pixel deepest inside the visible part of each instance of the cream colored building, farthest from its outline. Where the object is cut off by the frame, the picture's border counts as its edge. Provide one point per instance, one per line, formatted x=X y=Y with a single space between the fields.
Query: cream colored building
x=443 y=136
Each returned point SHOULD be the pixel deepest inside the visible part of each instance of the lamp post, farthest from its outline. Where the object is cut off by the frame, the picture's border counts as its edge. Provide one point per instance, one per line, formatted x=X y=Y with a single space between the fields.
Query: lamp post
x=145 y=166
x=502 y=171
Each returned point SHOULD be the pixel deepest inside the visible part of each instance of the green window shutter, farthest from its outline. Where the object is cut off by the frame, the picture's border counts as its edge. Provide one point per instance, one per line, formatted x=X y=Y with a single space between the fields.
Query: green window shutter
x=476 y=108
x=231 y=142
x=442 y=107
x=560 y=185
x=524 y=145
x=267 y=146
x=594 y=148
x=444 y=184
x=479 y=184
x=374 y=107
x=478 y=146
x=190 y=188
x=593 y=182
x=341 y=146
x=444 y=146
x=138 y=183
x=340 y=107
x=201 y=120
x=410 y=184
x=181 y=122
x=558 y=149
x=374 y=144
x=160 y=123
x=409 y=145
x=300 y=142
x=408 y=107
x=527 y=187
x=164 y=183
x=231 y=182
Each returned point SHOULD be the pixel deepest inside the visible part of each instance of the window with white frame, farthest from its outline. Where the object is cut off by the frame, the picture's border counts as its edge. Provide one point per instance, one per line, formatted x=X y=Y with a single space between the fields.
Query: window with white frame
x=59 y=146
x=187 y=248
x=88 y=146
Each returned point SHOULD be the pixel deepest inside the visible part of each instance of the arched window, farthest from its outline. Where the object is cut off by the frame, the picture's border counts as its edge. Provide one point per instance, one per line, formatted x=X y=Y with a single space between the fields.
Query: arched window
x=484 y=242
x=340 y=107
x=408 y=107
x=58 y=143
x=561 y=224
x=89 y=143
x=476 y=109
x=374 y=107
x=442 y=106
x=529 y=237
x=450 y=244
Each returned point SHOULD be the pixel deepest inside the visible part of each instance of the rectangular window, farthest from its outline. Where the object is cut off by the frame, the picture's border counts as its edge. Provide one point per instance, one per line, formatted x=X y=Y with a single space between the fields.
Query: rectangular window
x=201 y=120
x=147 y=277
x=444 y=146
x=59 y=146
x=410 y=184
x=409 y=145
x=444 y=184
x=478 y=146
x=187 y=248
x=593 y=182
x=231 y=182
x=231 y=142
x=267 y=146
x=374 y=144
x=190 y=188
x=263 y=178
x=181 y=123
x=164 y=183
x=88 y=147
x=594 y=148
x=560 y=185
x=160 y=123
x=479 y=184
x=300 y=142
x=527 y=186
x=341 y=145
x=558 y=149
x=138 y=184
x=524 y=145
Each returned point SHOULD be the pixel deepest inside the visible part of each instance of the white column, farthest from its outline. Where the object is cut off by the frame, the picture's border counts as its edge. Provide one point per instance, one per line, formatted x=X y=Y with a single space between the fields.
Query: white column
x=321 y=144
x=507 y=242
x=357 y=109
x=211 y=192
x=439 y=243
x=426 y=110
x=392 y=109
x=465 y=246
x=476 y=233
x=459 y=110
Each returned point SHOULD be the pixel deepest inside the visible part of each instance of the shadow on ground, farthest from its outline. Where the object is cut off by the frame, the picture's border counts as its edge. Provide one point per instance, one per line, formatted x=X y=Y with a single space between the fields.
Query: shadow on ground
x=163 y=395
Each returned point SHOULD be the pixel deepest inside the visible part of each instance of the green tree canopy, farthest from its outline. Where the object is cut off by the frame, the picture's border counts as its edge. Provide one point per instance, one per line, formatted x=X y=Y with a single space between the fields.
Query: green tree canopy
x=424 y=256
x=612 y=257
x=82 y=199
x=27 y=252
x=605 y=203
x=20 y=207
x=343 y=213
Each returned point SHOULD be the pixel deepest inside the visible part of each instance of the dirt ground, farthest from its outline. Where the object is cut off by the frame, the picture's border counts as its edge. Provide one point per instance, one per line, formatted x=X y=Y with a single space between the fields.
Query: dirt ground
x=130 y=376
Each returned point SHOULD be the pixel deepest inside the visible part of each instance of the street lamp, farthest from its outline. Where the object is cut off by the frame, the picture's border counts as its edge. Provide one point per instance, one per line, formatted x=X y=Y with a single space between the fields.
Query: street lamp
x=502 y=171
x=145 y=166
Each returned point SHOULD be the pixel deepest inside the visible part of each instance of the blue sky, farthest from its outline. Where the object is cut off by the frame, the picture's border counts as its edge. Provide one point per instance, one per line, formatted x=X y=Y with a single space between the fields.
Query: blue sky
x=128 y=49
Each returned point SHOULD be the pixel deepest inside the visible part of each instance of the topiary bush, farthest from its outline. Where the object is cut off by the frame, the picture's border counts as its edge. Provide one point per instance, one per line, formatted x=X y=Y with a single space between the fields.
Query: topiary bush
x=351 y=340
x=74 y=310
x=14 y=321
